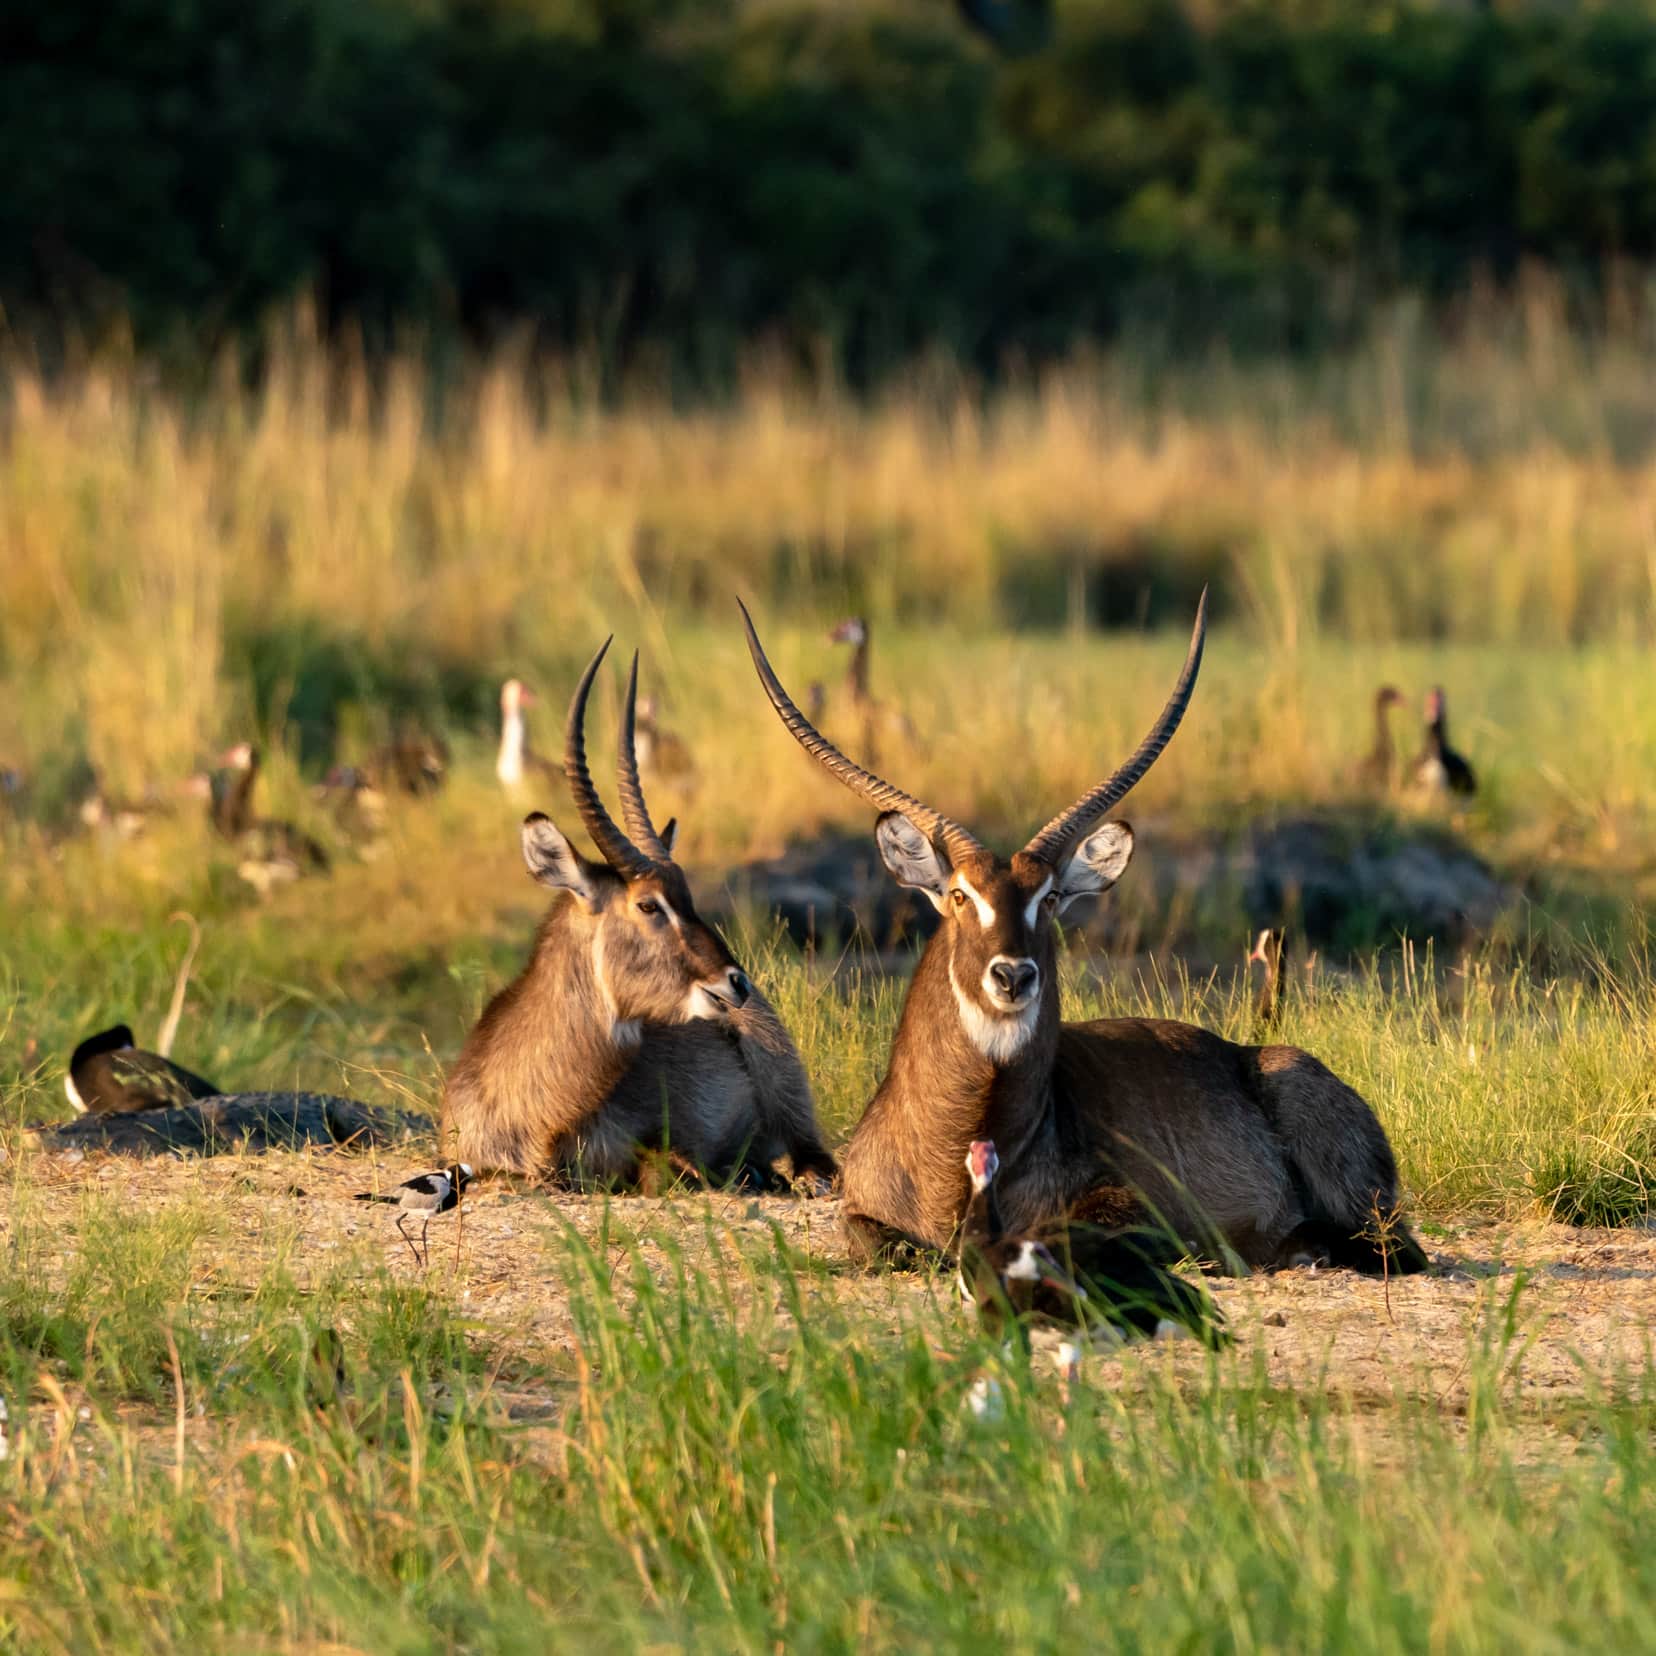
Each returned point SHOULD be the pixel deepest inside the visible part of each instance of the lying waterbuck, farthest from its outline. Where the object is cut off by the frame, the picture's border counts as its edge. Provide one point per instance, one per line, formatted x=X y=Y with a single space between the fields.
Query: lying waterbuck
x=1260 y=1153
x=631 y=1028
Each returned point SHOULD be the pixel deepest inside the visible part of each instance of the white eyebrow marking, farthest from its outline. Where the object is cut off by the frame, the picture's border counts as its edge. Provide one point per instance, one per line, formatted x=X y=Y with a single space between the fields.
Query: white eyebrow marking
x=986 y=914
x=1035 y=902
x=678 y=925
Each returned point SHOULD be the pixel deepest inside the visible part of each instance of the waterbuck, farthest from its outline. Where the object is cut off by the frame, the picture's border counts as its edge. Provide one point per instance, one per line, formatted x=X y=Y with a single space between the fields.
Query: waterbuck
x=1257 y=1153
x=632 y=1027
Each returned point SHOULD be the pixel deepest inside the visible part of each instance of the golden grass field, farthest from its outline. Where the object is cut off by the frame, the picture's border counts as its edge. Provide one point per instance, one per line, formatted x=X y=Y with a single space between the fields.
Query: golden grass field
x=685 y=1423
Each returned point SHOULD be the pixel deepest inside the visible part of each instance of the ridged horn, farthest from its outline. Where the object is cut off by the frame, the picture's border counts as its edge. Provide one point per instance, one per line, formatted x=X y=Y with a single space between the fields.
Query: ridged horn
x=933 y=824
x=634 y=812
x=1054 y=842
x=617 y=850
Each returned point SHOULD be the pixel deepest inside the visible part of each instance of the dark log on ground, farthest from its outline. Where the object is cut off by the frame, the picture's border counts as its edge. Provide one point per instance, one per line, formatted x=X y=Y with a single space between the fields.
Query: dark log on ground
x=238 y=1121
x=1346 y=881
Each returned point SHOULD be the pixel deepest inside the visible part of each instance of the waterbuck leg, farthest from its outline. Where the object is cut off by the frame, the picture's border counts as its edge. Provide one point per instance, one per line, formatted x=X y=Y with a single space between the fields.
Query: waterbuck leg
x=1386 y=1247
x=814 y=1171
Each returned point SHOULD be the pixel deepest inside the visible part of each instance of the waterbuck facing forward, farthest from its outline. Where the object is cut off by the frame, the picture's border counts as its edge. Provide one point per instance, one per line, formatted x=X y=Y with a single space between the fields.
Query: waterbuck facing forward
x=632 y=1027
x=1257 y=1152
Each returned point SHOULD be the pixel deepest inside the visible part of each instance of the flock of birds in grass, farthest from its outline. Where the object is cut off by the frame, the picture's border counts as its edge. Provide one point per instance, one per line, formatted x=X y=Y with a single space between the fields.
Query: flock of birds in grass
x=415 y=763
x=1092 y=1274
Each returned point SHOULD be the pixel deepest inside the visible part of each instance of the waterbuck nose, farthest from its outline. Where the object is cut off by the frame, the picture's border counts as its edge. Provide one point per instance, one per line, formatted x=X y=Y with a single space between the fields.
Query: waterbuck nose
x=740 y=988
x=1014 y=978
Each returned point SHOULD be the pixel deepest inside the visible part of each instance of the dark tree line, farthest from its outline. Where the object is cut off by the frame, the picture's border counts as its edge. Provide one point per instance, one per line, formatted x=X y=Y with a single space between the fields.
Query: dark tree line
x=652 y=173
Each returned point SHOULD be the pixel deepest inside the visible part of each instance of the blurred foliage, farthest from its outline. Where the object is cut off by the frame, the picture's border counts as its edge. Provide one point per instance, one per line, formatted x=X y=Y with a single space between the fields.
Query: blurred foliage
x=648 y=175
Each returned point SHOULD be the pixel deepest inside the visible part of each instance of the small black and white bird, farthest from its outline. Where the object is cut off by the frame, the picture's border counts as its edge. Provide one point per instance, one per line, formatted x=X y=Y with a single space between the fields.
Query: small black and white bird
x=425 y=1196
x=108 y=1075
x=1112 y=1282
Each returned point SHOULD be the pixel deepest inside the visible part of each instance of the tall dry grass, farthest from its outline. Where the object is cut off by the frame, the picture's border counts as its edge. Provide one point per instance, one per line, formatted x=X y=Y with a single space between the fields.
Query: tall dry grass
x=435 y=532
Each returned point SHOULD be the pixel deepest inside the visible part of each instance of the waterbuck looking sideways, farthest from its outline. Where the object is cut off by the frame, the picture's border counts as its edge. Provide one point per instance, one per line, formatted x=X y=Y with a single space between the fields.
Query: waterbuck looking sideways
x=631 y=1028
x=1258 y=1154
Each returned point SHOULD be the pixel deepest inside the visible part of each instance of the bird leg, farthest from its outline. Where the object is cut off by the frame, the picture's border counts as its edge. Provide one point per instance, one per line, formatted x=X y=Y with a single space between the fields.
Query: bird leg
x=409 y=1240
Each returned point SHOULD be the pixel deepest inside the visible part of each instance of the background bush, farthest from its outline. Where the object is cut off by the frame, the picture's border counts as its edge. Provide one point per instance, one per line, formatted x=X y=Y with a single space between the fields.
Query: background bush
x=628 y=174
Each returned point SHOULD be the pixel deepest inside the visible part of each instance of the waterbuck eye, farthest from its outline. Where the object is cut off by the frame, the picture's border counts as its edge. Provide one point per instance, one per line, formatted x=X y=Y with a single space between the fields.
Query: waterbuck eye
x=958 y=897
x=648 y=905
x=1050 y=901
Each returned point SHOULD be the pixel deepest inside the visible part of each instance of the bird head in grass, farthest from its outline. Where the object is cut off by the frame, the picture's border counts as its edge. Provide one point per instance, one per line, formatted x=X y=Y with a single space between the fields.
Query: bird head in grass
x=982 y=1163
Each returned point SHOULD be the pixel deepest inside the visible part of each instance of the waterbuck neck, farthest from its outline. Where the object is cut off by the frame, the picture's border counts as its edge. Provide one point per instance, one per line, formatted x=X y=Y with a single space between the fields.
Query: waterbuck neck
x=942 y=1090
x=563 y=1035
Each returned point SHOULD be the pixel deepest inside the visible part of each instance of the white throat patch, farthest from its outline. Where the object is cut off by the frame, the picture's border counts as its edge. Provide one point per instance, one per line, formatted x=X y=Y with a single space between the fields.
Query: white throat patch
x=73 y=1095
x=1000 y=1038
x=1027 y=1266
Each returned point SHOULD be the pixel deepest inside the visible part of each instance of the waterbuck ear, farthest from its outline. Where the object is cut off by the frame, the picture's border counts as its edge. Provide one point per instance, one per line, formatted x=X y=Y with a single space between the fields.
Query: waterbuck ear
x=669 y=834
x=554 y=862
x=1096 y=863
x=911 y=857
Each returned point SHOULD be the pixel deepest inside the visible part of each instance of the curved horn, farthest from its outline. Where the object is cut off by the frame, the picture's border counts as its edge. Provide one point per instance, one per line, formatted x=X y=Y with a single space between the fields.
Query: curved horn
x=634 y=812
x=1055 y=840
x=865 y=783
x=618 y=851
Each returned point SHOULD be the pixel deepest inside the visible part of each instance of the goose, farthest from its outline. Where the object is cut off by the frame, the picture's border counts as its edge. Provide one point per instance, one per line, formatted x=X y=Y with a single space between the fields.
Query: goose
x=124 y=818
x=230 y=789
x=516 y=757
x=425 y=1195
x=660 y=752
x=1267 y=953
x=1378 y=768
x=413 y=761
x=874 y=713
x=1439 y=769
x=1111 y=1280
x=355 y=799
x=272 y=852
x=14 y=790
x=109 y=1075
